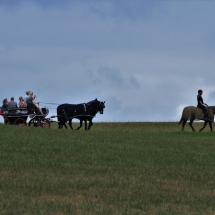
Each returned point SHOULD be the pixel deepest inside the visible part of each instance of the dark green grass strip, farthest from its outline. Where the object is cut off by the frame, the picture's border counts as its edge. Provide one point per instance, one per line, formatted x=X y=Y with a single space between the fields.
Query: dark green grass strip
x=116 y=168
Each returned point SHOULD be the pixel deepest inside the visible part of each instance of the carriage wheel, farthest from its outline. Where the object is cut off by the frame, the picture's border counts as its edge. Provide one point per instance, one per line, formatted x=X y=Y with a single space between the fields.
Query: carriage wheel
x=32 y=123
x=43 y=123
x=5 y=119
x=20 y=122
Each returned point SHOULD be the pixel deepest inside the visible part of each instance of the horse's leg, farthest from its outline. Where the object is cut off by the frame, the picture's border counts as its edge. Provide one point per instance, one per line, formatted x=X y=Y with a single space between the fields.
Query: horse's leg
x=70 y=124
x=61 y=123
x=64 y=124
x=210 y=124
x=90 y=124
x=191 y=124
x=81 y=120
x=183 y=124
x=85 y=122
x=206 y=122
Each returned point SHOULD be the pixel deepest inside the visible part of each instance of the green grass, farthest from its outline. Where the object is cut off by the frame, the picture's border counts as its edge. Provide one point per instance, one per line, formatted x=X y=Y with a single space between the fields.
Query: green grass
x=116 y=168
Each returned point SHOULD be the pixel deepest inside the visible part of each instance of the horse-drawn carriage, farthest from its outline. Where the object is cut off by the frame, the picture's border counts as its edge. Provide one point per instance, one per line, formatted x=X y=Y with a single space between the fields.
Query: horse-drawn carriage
x=65 y=112
x=19 y=116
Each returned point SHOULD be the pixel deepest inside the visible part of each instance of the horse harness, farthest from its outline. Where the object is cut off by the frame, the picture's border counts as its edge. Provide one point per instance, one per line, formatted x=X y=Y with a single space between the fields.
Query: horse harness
x=85 y=109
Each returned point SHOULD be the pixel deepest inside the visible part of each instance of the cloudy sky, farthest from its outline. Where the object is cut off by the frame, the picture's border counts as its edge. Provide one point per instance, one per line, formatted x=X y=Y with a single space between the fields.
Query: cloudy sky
x=146 y=59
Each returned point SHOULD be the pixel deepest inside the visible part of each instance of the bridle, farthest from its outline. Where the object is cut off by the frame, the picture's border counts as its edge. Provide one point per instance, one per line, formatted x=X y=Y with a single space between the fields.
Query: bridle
x=100 y=107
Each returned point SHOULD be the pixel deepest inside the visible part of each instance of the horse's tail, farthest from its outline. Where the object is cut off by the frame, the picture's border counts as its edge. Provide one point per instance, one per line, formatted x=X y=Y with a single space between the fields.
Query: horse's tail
x=183 y=116
x=181 y=120
x=59 y=113
x=188 y=113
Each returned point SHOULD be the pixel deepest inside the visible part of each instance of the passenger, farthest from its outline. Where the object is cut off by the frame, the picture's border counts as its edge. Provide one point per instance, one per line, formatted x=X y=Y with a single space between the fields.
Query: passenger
x=22 y=102
x=12 y=104
x=30 y=100
x=4 y=107
x=27 y=95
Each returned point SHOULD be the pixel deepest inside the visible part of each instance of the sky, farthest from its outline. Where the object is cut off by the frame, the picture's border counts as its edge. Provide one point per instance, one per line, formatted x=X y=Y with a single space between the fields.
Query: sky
x=146 y=59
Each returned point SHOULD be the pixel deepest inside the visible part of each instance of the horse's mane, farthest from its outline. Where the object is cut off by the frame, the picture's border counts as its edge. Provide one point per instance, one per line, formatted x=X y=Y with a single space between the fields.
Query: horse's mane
x=93 y=101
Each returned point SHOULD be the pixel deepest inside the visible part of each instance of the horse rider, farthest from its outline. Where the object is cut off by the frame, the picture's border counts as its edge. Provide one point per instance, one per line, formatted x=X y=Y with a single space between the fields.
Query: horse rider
x=201 y=104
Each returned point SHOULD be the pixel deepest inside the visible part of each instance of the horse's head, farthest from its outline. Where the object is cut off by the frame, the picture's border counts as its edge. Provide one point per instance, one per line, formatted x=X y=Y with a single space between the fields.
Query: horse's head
x=101 y=107
x=98 y=105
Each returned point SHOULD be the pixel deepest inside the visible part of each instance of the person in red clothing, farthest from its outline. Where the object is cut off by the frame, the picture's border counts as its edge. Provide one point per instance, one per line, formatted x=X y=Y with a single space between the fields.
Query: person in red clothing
x=22 y=102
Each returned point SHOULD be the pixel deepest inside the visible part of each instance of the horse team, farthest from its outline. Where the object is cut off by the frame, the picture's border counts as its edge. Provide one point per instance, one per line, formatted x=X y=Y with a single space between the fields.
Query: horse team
x=84 y=112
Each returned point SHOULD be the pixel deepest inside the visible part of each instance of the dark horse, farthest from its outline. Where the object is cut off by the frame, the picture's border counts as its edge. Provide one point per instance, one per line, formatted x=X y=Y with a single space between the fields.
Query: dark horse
x=62 y=121
x=83 y=112
x=191 y=113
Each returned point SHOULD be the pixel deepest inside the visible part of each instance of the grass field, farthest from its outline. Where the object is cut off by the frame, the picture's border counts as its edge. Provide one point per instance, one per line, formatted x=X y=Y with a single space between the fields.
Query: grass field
x=116 y=168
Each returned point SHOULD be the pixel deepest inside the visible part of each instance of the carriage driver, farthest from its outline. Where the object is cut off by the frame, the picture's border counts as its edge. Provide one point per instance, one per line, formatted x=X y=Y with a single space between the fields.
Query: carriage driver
x=30 y=100
x=201 y=104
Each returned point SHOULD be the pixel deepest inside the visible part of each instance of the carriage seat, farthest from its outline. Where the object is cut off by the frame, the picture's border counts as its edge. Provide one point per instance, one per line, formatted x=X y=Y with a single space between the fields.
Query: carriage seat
x=17 y=111
x=12 y=110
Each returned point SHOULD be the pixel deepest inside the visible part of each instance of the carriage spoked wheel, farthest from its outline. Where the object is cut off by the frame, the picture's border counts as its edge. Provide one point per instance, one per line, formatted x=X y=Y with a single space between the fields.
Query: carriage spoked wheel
x=43 y=123
x=20 y=122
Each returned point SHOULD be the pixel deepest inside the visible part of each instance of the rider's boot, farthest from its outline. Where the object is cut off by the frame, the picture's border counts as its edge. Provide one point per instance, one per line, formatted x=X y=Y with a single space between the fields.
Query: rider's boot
x=206 y=116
